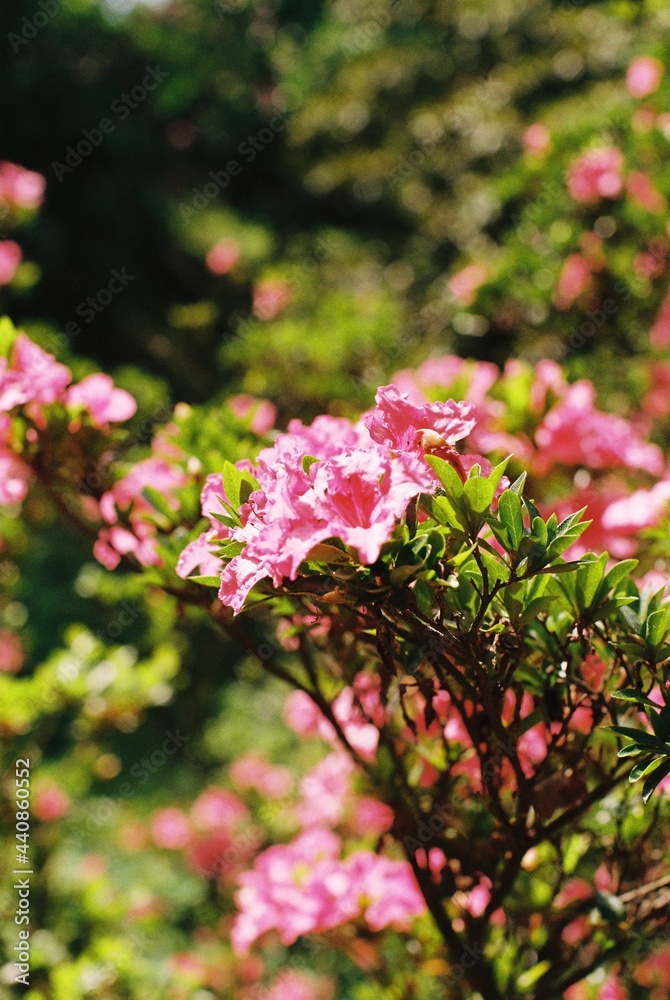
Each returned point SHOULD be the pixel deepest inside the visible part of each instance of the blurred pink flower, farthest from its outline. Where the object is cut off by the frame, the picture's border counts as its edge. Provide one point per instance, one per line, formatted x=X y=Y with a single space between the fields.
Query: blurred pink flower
x=251 y=771
x=644 y=76
x=641 y=190
x=10 y=258
x=291 y=985
x=464 y=284
x=573 y=280
x=370 y=818
x=50 y=802
x=11 y=653
x=575 y=433
x=218 y=809
x=536 y=139
x=14 y=478
x=20 y=188
x=170 y=828
x=223 y=256
x=325 y=791
x=596 y=174
x=659 y=334
x=263 y=413
x=270 y=297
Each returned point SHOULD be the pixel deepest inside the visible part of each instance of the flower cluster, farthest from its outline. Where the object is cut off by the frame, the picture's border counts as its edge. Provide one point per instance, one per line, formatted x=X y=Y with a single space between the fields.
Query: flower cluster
x=31 y=382
x=305 y=887
x=332 y=479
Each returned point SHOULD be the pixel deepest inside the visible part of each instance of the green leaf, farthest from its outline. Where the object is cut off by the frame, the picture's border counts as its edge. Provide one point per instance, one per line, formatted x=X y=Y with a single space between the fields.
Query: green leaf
x=646 y=767
x=656 y=627
x=510 y=513
x=497 y=473
x=328 y=554
x=232 y=483
x=307 y=462
x=635 y=696
x=479 y=494
x=447 y=475
x=8 y=335
x=518 y=484
x=206 y=581
x=654 y=780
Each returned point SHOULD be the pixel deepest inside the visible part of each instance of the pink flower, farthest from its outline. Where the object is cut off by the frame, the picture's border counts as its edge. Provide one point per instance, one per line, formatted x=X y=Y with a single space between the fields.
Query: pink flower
x=659 y=334
x=573 y=281
x=360 y=496
x=613 y=989
x=291 y=985
x=477 y=899
x=11 y=653
x=270 y=298
x=371 y=818
x=401 y=425
x=641 y=190
x=20 y=188
x=50 y=802
x=644 y=76
x=303 y=887
x=536 y=139
x=362 y=736
x=596 y=174
x=465 y=283
x=301 y=714
x=575 y=433
x=34 y=377
x=253 y=771
x=223 y=256
x=171 y=829
x=10 y=258
x=218 y=809
x=106 y=404
x=325 y=791
x=14 y=478
x=261 y=413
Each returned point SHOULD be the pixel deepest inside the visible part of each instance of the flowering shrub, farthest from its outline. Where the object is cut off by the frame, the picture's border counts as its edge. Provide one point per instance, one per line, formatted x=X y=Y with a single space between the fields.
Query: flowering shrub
x=475 y=667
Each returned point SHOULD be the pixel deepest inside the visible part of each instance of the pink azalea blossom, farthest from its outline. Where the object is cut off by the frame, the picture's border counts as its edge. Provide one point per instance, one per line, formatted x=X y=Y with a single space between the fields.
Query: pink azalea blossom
x=218 y=809
x=10 y=258
x=223 y=256
x=105 y=403
x=325 y=791
x=171 y=829
x=251 y=771
x=537 y=139
x=33 y=377
x=575 y=433
x=303 y=887
x=50 y=802
x=20 y=188
x=465 y=283
x=659 y=334
x=270 y=298
x=596 y=174
x=401 y=425
x=642 y=191
x=370 y=818
x=11 y=653
x=14 y=478
x=573 y=281
x=290 y=985
x=644 y=76
x=261 y=413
